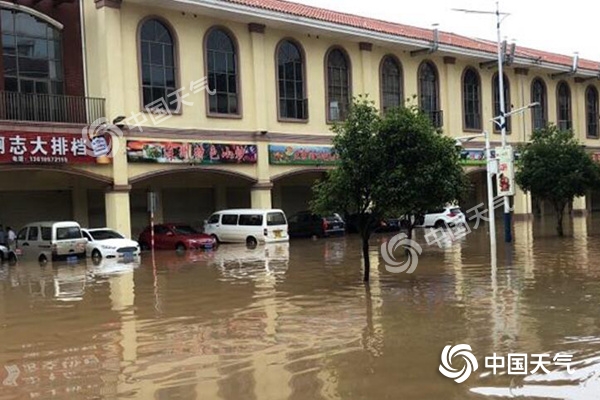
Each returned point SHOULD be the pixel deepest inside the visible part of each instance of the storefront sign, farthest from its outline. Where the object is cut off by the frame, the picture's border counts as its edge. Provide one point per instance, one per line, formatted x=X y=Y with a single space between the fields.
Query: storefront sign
x=43 y=148
x=596 y=157
x=506 y=171
x=190 y=153
x=302 y=155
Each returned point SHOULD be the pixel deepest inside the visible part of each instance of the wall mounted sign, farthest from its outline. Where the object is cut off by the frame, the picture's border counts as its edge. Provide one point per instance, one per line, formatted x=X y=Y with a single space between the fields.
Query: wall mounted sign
x=190 y=153
x=302 y=155
x=44 y=148
x=596 y=157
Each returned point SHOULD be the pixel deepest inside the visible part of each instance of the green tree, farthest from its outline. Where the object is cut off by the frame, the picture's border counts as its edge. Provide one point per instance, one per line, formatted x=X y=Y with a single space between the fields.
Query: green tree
x=389 y=166
x=555 y=167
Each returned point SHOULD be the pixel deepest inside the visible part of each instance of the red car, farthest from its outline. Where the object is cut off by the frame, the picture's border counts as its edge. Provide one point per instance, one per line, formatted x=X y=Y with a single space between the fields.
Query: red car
x=176 y=237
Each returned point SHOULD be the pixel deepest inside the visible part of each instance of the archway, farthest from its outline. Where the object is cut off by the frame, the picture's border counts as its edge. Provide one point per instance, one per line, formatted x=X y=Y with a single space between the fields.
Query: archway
x=46 y=193
x=187 y=195
x=292 y=191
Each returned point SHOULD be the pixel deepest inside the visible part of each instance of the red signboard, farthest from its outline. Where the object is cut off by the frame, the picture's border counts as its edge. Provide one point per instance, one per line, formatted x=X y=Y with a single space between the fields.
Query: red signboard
x=44 y=148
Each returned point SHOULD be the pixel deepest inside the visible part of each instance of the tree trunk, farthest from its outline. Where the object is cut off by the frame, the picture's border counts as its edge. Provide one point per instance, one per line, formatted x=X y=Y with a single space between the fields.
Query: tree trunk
x=559 y=208
x=365 y=250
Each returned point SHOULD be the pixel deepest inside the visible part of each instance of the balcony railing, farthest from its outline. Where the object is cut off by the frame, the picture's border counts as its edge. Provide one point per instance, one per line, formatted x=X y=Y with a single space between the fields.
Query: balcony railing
x=17 y=106
x=436 y=117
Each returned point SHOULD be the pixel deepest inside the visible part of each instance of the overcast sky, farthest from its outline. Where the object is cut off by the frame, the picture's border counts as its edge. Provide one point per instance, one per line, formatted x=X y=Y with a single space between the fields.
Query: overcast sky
x=563 y=27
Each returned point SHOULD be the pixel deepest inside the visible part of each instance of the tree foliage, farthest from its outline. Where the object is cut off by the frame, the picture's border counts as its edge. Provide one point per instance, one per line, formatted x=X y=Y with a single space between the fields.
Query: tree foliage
x=555 y=167
x=390 y=165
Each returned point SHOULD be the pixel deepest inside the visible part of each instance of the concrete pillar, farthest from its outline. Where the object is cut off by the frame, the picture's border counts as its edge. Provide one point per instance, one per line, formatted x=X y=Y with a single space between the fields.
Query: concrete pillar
x=521 y=122
x=277 y=196
x=117 y=211
x=159 y=213
x=522 y=204
x=367 y=72
x=220 y=197
x=260 y=195
x=109 y=44
x=450 y=97
x=580 y=206
x=261 y=103
x=79 y=197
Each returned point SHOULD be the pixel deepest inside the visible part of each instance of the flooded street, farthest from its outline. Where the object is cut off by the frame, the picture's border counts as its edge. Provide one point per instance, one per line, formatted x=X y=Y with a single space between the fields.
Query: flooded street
x=296 y=322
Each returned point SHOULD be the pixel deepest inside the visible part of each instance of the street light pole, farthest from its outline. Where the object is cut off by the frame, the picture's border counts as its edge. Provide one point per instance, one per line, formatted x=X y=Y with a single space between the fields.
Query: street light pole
x=507 y=214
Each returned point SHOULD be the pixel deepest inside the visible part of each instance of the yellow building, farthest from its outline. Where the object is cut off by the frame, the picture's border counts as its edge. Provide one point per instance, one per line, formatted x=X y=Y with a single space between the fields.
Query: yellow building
x=230 y=103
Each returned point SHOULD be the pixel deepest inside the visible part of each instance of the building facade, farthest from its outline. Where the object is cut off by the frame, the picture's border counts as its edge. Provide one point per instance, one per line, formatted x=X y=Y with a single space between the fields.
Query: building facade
x=222 y=104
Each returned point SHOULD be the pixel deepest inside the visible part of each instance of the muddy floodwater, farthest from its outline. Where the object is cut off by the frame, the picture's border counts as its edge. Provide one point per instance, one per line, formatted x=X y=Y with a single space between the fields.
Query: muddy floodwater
x=295 y=321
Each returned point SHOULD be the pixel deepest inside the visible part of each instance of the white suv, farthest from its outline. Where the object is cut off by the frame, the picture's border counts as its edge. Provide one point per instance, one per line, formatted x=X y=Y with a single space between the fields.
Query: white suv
x=449 y=216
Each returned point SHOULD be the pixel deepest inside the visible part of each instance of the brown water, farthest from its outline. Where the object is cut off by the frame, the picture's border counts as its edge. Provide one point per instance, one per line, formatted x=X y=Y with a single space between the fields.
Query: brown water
x=296 y=322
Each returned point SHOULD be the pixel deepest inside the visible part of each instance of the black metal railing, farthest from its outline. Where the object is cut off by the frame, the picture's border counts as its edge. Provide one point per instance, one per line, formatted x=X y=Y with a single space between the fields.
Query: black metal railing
x=17 y=106
x=436 y=117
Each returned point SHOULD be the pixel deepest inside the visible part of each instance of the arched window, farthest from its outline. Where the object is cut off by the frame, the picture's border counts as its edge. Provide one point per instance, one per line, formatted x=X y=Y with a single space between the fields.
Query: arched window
x=539 y=114
x=293 y=103
x=429 y=93
x=158 y=66
x=222 y=73
x=32 y=54
x=338 y=84
x=471 y=90
x=563 y=102
x=591 y=109
x=496 y=97
x=391 y=83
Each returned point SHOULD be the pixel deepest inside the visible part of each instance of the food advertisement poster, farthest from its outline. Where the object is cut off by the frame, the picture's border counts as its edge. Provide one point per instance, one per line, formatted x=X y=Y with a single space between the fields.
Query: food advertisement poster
x=302 y=155
x=190 y=153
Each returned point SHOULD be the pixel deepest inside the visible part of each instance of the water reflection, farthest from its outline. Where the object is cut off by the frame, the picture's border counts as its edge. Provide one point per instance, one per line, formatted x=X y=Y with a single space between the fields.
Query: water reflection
x=295 y=321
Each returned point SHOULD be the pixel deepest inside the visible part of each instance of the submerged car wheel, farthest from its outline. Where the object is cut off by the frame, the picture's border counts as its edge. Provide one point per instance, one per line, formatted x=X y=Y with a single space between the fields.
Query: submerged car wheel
x=96 y=255
x=439 y=224
x=180 y=247
x=251 y=241
x=42 y=259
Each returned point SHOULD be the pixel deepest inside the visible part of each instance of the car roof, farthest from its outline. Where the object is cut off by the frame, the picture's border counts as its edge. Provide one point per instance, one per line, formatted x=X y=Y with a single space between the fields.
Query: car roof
x=52 y=223
x=248 y=211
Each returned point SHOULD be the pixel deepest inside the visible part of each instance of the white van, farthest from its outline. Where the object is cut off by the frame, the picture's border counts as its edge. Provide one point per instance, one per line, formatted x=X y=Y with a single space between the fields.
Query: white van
x=45 y=241
x=249 y=226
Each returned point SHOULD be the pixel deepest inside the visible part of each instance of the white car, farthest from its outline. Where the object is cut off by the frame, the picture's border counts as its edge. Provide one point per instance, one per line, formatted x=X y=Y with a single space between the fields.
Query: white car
x=449 y=216
x=106 y=243
x=7 y=255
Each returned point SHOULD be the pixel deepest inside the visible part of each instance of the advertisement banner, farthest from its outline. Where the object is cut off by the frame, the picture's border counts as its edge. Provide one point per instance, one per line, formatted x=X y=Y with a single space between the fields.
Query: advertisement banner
x=190 y=153
x=474 y=156
x=44 y=148
x=302 y=155
x=506 y=171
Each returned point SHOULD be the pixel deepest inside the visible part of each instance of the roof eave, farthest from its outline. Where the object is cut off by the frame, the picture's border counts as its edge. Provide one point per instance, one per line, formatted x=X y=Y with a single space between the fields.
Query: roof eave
x=362 y=34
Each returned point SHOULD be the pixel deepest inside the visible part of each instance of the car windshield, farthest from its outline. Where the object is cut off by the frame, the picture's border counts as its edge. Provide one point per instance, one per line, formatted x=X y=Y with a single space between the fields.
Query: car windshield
x=455 y=210
x=105 y=235
x=184 y=230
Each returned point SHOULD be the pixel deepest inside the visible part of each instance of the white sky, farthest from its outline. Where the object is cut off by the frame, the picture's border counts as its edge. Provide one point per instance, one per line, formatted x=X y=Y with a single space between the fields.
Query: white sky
x=562 y=27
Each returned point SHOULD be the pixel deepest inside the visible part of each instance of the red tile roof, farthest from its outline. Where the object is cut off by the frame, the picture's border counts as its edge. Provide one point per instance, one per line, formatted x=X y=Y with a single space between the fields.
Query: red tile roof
x=407 y=31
